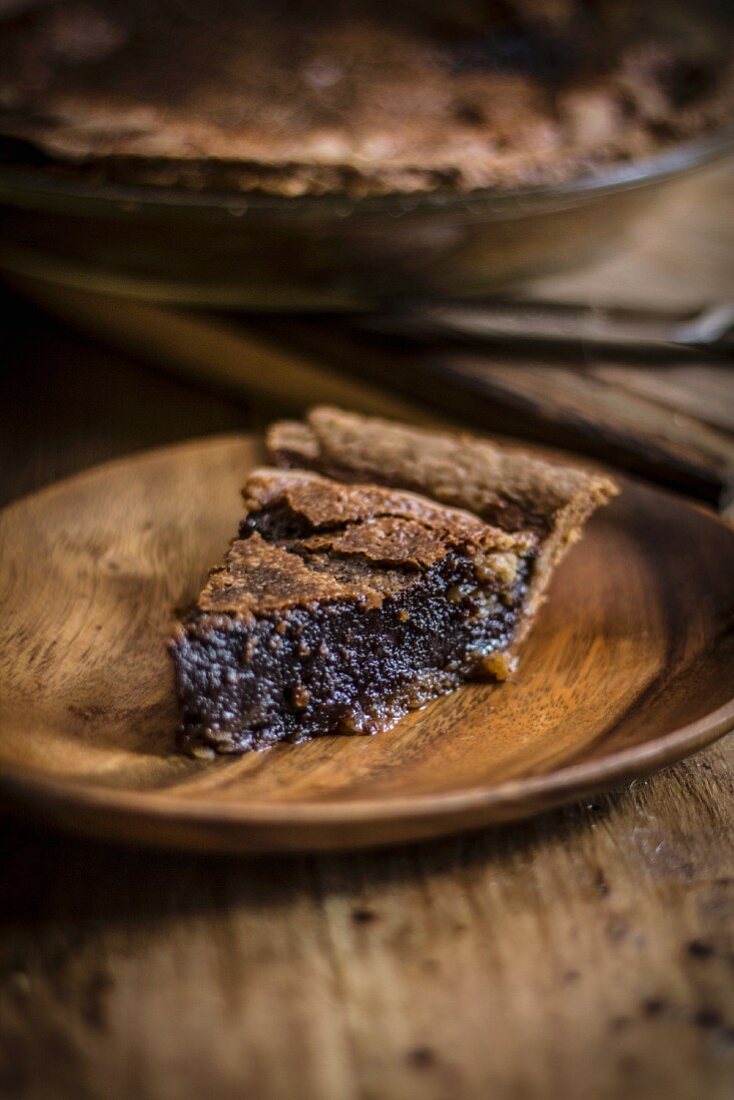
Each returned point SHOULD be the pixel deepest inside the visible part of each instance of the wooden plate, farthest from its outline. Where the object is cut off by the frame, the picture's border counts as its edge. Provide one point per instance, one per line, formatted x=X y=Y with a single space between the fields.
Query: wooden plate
x=630 y=666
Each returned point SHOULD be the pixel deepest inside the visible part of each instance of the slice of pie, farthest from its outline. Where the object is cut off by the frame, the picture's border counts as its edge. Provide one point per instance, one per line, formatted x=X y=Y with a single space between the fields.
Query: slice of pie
x=385 y=567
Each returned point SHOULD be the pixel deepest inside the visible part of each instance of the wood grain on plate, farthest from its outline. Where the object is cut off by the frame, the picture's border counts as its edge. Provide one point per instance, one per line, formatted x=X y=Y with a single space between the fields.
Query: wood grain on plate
x=630 y=666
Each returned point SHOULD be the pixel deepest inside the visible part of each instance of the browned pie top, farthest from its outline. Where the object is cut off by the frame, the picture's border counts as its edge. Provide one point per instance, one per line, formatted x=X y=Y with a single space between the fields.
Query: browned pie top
x=356 y=96
x=505 y=487
x=259 y=577
x=326 y=503
x=350 y=542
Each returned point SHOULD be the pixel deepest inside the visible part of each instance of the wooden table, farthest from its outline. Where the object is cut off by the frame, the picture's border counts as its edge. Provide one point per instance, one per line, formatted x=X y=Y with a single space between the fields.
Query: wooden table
x=588 y=954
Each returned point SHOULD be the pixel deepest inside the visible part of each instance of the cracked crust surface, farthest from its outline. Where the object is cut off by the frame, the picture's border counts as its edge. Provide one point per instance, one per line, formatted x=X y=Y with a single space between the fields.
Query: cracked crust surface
x=507 y=488
x=308 y=539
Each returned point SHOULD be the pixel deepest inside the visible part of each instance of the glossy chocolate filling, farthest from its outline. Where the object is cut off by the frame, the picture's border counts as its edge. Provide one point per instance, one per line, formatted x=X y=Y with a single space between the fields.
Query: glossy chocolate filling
x=341 y=665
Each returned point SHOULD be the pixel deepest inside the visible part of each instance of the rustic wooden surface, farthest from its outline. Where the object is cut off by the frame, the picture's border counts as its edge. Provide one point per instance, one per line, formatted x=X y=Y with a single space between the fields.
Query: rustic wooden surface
x=589 y=953
x=629 y=666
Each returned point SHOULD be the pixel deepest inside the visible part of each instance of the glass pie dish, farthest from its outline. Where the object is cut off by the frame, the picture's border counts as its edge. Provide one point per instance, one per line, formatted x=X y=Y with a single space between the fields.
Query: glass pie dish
x=262 y=252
